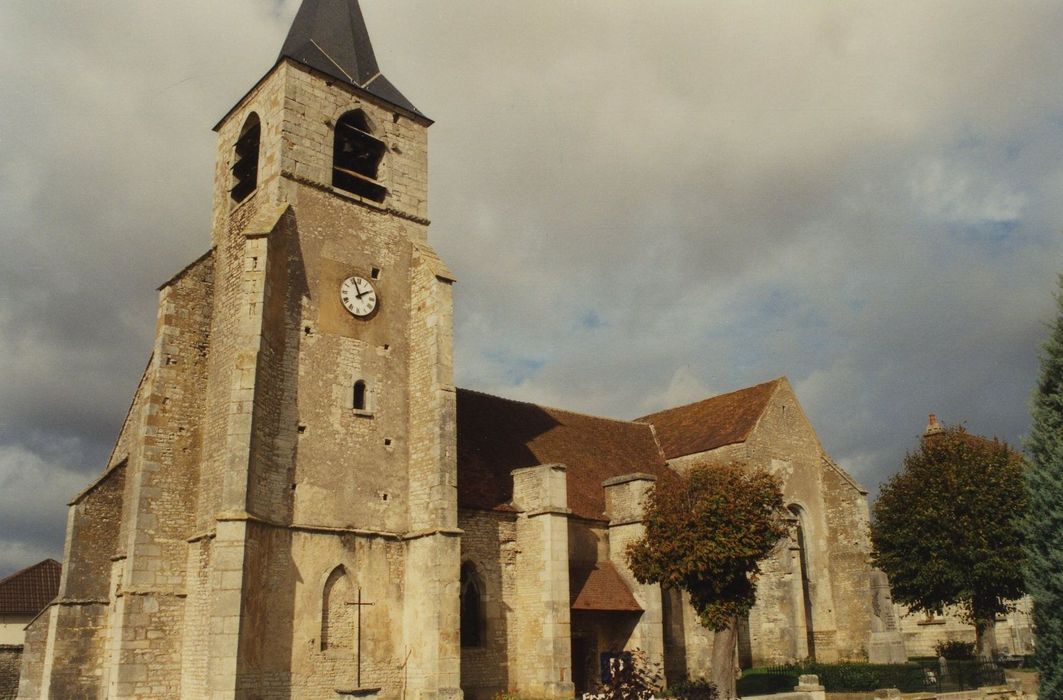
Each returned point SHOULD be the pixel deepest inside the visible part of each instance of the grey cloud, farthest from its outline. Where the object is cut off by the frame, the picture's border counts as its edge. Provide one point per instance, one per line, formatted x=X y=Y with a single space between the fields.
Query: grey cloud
x=861 y=196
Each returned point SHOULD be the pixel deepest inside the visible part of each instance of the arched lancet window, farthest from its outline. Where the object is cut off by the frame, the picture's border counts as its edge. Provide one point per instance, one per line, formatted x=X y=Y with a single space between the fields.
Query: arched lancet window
x=245 y=161
x=806 y=589
x=337 y=616
x=356 y=157
x=360 y=396
x=472 y=607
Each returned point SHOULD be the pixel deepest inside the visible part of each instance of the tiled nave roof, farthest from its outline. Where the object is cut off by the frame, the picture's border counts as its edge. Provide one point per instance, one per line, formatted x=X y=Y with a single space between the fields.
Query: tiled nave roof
x=496 y=436
x=705 y=425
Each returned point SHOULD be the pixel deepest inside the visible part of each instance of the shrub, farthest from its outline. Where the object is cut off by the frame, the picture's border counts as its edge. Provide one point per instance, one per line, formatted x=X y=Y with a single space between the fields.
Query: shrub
x=631 y=677
x=696 y=689
x=955 y=650
x=837 y=677
x=754 y=683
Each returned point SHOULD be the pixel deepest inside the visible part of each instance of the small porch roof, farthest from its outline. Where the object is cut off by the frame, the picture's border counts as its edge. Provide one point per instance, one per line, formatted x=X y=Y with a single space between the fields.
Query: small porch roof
x=600 y=588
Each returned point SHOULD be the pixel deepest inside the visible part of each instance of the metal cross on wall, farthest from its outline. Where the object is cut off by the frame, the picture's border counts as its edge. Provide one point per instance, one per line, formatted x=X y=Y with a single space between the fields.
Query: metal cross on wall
x=358 y=605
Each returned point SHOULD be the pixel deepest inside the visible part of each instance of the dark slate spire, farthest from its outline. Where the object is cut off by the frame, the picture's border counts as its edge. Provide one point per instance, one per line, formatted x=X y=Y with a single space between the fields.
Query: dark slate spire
x=330 y=36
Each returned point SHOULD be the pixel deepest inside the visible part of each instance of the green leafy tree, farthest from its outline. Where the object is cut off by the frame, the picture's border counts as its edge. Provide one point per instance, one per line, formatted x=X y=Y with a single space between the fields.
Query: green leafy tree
x=947 y=529
x=706 y=533
x=1044 y=525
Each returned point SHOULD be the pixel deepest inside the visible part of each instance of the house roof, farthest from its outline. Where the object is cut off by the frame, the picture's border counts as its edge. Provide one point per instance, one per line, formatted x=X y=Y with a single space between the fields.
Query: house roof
x=599 y=587
x=705 y=425
x=496 y=436
x=27 y=592
x=330 y=36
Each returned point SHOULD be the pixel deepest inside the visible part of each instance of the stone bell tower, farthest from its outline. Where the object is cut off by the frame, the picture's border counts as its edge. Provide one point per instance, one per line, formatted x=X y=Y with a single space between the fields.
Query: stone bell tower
x=331 y=469
x=279 y=518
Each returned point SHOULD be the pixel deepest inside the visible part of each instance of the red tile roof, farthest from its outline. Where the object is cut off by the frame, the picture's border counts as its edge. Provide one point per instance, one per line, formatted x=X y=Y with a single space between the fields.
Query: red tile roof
x=722 y=420
x=600 y=588
x=497 y=435
x=27 y=592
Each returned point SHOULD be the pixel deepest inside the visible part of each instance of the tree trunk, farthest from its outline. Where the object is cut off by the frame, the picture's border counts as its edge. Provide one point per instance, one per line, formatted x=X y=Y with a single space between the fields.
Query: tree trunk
x=985 y=638
x=724 y=650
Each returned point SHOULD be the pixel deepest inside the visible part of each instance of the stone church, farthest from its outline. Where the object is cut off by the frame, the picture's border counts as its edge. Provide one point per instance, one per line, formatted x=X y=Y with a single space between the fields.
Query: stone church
x=300 y=503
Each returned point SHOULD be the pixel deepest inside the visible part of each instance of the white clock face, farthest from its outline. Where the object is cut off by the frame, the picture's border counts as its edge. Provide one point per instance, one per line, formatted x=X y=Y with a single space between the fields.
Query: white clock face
x=358 y=296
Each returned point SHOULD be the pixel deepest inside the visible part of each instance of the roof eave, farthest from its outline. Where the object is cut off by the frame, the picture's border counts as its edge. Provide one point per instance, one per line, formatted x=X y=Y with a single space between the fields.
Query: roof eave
x=744 y=439
x=360 y=91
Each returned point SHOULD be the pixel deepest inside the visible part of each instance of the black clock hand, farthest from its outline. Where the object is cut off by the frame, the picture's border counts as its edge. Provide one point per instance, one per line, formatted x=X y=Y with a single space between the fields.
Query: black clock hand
x=358 y=293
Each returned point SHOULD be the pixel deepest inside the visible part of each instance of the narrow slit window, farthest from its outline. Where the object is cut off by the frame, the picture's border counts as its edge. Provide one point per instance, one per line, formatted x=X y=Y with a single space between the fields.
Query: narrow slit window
x=361 y=396
x=245 y=162
x=356 y=157
x=472 y=607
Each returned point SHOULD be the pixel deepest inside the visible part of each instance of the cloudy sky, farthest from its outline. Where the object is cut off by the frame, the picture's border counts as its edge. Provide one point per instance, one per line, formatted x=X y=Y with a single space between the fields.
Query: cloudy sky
x=645 y=204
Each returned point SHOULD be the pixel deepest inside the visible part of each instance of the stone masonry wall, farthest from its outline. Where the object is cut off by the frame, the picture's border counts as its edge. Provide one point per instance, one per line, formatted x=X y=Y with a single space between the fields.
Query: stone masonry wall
x=247 y=265
x=311 y=112
x=785 y=444
x=1014 y=631
x=336 y=350
x=298 y=111
x=373 y=565
x=195 y=633
x=93 y=536
x=174 y=426
x=833 y=514
x=313 y=465
x=267 y=617
x=625 y=499
x=164 y=472
x=79 y=652
x=849 y=544
x=273 y=377
x=542 y=603
x=432 y=626
x=10 y=667
x=33 y=655
x=489 y=542
x=74 y=662
x=242 y=435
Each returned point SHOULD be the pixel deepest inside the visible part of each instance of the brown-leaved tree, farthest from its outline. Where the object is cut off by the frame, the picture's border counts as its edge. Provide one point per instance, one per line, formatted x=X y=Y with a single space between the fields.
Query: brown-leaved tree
x=706 y=533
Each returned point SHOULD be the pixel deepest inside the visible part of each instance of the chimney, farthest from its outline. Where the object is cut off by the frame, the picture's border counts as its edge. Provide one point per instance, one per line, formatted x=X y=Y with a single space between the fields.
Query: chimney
x=932 y=426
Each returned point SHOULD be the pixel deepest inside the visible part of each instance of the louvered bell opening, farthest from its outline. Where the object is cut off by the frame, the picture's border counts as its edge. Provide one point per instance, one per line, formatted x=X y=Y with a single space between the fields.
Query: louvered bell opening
x=245 y=167
x=357 y=158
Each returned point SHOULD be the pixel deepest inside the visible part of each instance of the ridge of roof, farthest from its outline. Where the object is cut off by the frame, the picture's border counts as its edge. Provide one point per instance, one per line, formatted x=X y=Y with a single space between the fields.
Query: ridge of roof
x=724 y=419
x=497 y=435
x=27 y=569
x=579 y=414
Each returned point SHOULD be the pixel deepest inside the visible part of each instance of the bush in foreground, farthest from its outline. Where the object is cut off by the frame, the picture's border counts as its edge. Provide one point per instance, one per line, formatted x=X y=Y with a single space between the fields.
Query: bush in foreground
x=955 y=650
